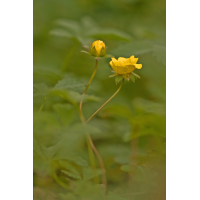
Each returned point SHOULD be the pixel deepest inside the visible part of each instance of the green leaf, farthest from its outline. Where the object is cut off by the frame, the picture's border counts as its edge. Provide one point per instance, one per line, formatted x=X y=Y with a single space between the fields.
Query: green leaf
x=66 y=112
x=76 y=176
x=61 y=33
x=64 y=90
x=69 y=83
x=109 y=33
x=118 y=79
x=40 y=89
x=69 y=166
x=159 y=51
x=73 y=96
x=38 y=148
x=71 y=25
x=70 y=96
x=45 y=118
x=89 y=173
x=47 y=74
x=89 y=23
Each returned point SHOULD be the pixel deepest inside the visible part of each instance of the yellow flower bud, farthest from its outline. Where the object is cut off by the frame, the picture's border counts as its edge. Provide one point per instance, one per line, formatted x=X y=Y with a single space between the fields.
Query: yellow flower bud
x=98 y=49
x=124 y=65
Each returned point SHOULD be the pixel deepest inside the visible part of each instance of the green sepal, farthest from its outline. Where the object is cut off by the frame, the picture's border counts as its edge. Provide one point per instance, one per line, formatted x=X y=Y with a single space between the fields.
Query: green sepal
x=86 y=47
x=132 y=77
x=126 y=77
x=118 y=78
x=93 y=51
x=113 y=75
x=135 y=75
x=90 y=48
x=85 y=52
x=102 y=52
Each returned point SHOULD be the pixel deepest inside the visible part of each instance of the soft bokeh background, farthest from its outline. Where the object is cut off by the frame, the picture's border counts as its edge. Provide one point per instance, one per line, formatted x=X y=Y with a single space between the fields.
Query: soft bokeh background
x=129 y=132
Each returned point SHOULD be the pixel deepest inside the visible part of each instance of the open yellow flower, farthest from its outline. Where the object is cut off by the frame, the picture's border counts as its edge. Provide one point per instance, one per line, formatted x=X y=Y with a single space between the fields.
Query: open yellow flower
x=98 y=49
x=125 y=65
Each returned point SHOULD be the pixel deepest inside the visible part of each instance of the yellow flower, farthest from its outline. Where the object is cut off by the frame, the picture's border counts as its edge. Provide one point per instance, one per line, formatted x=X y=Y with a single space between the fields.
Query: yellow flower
x=98 y=49
x=125 y=65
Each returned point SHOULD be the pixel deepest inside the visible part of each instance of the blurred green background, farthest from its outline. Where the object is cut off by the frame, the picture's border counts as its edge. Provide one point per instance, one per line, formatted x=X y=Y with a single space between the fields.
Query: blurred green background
x=129 y=132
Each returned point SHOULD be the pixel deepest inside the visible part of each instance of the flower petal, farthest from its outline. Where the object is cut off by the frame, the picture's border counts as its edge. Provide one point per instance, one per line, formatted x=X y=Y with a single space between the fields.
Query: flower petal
x=138 y=66
x=133 y=60
x=115 y=62
x=122 y=61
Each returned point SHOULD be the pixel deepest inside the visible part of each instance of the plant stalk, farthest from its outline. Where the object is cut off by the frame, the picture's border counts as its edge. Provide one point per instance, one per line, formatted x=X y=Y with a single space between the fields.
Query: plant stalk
x=106 y=101
x=104 y=181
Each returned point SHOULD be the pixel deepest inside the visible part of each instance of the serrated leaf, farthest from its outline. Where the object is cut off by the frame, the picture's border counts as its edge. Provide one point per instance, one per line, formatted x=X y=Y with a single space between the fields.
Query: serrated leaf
x=109 y=33
x=66 y=112
x=69 y=83
x=76 y=176
x=62 y=150
x=38 y=148
x=89 y=173
x=89 y=23
x=45 y=117
x=159 y=51
x=40 y=89
x=78 y=160
x=70 y=96
x=47 y=73
x=61 y=33
x=69 y=167
x=118 y=78
x=71 y=25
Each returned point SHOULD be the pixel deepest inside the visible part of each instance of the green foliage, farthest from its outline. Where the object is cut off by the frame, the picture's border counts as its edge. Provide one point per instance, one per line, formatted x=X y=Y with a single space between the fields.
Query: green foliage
x=160 y=52
x=129 y=132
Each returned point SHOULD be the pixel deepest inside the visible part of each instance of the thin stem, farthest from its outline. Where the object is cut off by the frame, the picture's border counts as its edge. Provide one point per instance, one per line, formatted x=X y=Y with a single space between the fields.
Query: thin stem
x=88 y=136
x=106 y=102
x=90 y=81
